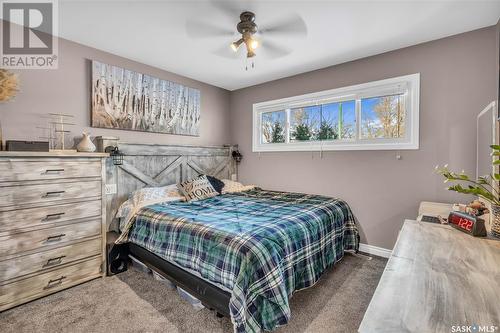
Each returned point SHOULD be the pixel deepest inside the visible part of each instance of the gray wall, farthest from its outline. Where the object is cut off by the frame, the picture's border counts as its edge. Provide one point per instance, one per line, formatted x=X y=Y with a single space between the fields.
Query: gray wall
x=67 y=90
x=458 y=79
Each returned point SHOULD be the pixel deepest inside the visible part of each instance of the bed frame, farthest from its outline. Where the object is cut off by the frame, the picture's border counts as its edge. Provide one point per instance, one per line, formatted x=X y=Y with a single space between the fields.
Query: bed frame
x=210 y=296
x=160 y=165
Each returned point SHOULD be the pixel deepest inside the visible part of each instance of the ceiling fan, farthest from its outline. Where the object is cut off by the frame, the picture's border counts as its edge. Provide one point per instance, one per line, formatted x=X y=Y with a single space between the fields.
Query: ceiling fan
x=248 y=35
x=247 y=28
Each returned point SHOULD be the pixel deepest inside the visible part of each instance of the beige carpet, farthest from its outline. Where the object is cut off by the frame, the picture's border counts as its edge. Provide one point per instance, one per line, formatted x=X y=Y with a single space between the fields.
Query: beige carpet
x=134 y=302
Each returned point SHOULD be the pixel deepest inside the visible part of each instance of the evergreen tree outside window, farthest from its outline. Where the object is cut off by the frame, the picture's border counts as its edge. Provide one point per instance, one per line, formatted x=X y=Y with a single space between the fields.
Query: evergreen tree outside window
x=273 y=127
x=341 y=118
x=277 y=133
x=326 y=132
x=305 y=123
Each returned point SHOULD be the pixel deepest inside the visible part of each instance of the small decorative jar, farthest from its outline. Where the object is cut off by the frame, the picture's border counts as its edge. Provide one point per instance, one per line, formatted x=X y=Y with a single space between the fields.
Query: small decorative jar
x=85 y=145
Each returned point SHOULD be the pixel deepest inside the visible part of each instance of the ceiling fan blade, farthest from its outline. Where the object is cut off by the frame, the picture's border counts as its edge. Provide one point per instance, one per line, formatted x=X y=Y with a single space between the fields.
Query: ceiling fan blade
x=199 y=29
x=225 y=51
x=273 y=50
x=292 y=25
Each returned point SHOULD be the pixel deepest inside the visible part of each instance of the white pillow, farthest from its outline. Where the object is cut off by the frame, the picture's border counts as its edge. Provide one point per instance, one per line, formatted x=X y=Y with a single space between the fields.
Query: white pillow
x=235 y=187
x=145 y=197
x=155 y=193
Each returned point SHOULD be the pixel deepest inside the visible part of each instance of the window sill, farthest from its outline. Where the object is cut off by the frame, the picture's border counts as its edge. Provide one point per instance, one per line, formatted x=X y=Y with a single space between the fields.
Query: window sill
x=340 y=146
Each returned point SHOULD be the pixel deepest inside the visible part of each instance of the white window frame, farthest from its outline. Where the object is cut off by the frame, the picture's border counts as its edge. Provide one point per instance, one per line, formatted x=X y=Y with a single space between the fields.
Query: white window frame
x=409 y=85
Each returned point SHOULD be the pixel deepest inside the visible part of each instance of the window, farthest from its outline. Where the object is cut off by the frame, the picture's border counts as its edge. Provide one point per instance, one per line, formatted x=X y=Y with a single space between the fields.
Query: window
x=378 y=115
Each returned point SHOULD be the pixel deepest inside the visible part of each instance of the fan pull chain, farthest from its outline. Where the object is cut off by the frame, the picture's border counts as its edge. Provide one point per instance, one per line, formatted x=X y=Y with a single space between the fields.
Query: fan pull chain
x=246 y=64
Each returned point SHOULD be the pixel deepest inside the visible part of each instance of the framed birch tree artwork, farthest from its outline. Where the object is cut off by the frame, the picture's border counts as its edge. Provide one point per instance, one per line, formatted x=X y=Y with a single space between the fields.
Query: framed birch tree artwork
x=128 y=100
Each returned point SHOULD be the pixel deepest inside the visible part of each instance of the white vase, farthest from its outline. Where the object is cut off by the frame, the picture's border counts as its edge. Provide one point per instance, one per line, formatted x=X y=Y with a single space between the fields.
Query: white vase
x=85 y=145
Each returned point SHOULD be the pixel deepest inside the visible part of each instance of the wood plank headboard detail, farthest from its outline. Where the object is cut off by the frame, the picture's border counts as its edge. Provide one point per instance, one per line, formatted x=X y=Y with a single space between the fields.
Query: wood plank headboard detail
x=146 y=165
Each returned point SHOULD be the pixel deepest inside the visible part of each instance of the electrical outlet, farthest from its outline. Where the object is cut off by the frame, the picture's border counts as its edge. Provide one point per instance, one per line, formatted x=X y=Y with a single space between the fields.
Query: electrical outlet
x=110 y=188
x=234 y=177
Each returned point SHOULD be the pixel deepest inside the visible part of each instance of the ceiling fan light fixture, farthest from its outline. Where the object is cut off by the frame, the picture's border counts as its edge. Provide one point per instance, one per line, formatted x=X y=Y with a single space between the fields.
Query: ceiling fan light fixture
x=236 y=45
x=254 y=44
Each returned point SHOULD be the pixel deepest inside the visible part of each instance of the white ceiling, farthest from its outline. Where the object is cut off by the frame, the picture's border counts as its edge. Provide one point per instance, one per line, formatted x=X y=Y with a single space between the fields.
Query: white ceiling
x=154 y=32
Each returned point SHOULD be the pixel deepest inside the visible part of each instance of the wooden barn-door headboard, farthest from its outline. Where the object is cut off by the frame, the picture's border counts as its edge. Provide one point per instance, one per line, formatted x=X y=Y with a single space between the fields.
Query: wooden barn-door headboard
x=146 y=165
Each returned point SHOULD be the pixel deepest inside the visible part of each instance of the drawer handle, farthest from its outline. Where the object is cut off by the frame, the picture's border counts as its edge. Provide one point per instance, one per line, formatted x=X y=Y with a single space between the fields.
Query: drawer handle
x=50 y=217
x=54 y=283
x=52 y=194
x=55 y=238
x=49 y=171
x=54 y=261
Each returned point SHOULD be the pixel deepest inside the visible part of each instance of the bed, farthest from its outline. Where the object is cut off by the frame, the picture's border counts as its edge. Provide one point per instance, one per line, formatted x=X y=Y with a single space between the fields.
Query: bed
x=244 y=254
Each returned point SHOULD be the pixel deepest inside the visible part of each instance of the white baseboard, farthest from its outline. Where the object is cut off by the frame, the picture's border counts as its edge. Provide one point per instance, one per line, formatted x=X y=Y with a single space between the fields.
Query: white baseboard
x=375 y=250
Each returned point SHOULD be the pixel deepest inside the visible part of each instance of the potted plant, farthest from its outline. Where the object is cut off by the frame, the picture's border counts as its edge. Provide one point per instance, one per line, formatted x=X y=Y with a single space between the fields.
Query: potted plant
x=484 y=187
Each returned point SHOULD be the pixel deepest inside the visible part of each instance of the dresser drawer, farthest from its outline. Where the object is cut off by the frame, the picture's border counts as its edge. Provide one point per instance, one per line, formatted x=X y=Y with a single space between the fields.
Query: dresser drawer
x=25 y=290
x=14 y=170
x=13 y=220
x=45 y=238
x=48 y=259
x=17 y=196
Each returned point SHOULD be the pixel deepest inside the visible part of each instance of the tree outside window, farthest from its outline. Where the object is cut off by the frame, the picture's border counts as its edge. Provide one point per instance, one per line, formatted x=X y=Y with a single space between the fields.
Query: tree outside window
x=273 y=127
x=383 y=117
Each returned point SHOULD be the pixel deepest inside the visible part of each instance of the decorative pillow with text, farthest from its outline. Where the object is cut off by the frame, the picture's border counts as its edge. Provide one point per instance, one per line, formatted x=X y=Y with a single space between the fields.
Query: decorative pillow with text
x=197 y=189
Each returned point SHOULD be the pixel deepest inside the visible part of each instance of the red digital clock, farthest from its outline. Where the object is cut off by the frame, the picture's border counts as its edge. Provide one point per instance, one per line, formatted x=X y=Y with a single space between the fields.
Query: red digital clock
x=467 y=223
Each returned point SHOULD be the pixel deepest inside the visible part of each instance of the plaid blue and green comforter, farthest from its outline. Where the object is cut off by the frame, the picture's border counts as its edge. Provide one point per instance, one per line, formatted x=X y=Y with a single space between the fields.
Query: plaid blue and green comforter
x=260 y=245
